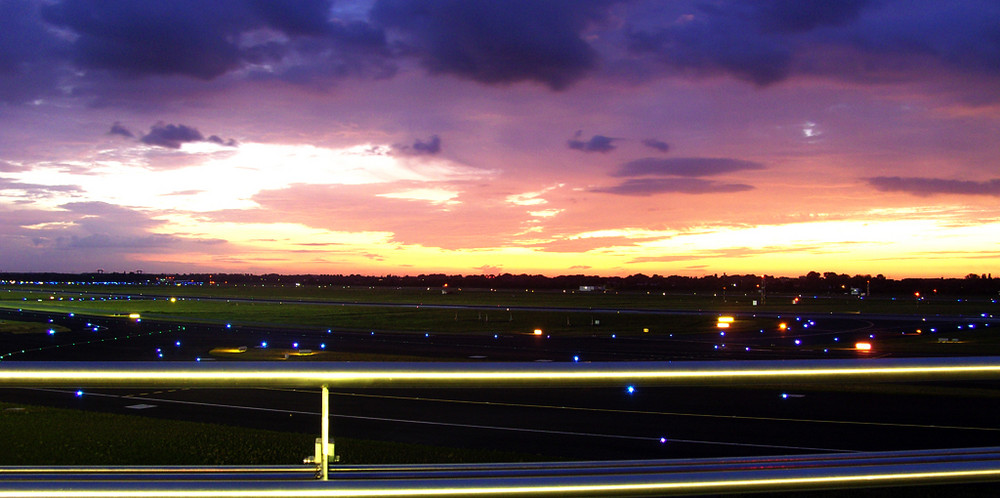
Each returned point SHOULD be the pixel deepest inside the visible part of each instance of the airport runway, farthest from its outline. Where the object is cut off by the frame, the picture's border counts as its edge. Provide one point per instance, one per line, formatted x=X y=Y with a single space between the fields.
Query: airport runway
x=574 y=423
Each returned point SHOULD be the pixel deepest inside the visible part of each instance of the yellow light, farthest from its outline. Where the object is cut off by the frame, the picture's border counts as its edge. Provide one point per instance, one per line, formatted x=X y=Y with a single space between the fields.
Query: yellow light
x=133 y=315
x=783 y=326
x=228 y=350
x=722 y=325
x=538 y=332
x=645 y=330
x=726 y=319
x=863 y=346
x=173 y=299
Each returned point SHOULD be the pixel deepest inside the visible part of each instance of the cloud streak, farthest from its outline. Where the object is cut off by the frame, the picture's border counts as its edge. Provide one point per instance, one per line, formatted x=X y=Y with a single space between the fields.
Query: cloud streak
x=685 y=166
x=926 y=187
x=652 y=186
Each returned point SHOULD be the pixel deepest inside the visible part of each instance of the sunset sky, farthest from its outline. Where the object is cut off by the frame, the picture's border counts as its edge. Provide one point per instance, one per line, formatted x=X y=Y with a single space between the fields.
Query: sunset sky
x=491 y=136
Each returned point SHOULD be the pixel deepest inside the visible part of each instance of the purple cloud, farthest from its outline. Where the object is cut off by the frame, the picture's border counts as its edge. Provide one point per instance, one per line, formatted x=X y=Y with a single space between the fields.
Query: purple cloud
x=118 y=129
x=656 y=144
x=597 y=143
x=498 y=42
x=173 y=136
x=933 y=186
x=767 y=41
x=431 y=146
x=6 y=167
x=198 y=39
x=685 y=166
x=652 y=186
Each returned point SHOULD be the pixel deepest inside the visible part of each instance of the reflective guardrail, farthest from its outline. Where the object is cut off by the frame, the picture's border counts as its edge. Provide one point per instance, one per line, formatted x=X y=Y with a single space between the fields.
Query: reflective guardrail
x=595 y=478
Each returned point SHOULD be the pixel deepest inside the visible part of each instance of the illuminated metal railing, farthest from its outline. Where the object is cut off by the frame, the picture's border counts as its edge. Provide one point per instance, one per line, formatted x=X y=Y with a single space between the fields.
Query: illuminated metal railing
x=919 y=469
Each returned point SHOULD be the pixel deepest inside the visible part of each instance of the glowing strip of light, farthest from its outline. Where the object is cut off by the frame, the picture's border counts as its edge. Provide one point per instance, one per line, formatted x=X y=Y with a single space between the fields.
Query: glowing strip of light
x=139 y=377
x=338 y=489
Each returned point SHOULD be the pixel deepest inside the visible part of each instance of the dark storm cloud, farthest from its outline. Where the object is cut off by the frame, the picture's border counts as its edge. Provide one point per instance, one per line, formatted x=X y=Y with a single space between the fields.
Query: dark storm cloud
x=716 y=44
x=652 y=186
x=931 y=186
x=498 y=42
x=685 y=166
x=797 y=16
x=173 y=136
x=656 y=144
x=194 y=38
x=26 y=50
x=119 y=129
x=107 y=49
x=768 y=41
x=597 y=143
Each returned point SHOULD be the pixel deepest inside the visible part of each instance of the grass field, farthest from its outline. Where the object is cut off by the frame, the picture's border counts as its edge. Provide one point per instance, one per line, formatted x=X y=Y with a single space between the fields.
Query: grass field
x=94 y=438
x=17 y=327
x=733 y=301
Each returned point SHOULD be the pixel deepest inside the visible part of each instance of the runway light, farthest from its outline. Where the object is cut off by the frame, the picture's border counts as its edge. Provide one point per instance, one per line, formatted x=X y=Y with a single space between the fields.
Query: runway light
x=133 y=316
x=538 y=332
x=263 y=344
x=782 y=326
x=630 y=389
x=863 y=346
x=663 y=440
x=295 y=345
x=576 y=358
x=79 y=394
x=52 y=332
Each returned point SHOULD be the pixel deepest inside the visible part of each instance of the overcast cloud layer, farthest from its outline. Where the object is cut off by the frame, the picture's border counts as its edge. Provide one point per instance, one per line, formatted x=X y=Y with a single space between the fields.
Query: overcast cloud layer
x=407 y=136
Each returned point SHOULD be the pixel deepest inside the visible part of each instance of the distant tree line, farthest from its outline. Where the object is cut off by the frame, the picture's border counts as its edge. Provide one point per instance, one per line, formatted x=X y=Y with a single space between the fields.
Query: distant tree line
x=810 y=283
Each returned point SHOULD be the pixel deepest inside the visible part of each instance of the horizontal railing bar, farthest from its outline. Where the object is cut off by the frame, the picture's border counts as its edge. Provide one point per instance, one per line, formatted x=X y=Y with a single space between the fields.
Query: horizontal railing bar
x=664 y=466
x=789 y=478
x=500 y=469
x=487 y=374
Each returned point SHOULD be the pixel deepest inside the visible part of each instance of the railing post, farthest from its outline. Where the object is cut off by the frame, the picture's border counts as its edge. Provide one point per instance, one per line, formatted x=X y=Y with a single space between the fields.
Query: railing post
x=325 y=434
